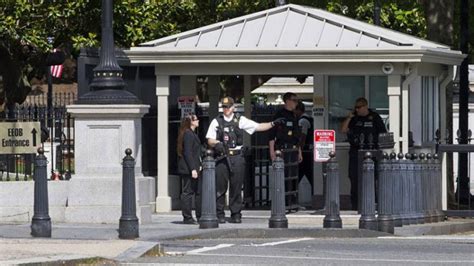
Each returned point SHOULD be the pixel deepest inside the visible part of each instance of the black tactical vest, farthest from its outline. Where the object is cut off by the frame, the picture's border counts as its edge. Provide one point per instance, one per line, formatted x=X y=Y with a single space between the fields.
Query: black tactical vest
x=287 y=134
x=229 y=132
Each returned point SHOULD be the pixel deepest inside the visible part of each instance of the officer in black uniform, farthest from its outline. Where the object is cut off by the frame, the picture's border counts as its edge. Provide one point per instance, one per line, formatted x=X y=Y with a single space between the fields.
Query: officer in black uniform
x=361 y=120
x=225 y=135
x=305 y=123
x=286 y=137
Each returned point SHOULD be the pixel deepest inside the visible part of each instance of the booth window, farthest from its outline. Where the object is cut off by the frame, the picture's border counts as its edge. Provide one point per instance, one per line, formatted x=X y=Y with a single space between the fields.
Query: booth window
x=344 y=90
x=430 y=107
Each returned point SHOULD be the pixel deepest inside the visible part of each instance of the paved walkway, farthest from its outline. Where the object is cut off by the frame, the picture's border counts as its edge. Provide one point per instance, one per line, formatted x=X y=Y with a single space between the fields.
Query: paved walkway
x=88 y=241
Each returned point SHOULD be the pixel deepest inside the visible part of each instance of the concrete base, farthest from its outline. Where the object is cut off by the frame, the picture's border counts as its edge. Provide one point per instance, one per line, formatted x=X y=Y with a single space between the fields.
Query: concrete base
x=163 y=204
x=99 y=199
x=17 y=198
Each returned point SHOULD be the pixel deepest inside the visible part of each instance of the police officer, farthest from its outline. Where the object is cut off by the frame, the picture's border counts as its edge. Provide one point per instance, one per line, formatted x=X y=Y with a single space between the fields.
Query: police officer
x=285 y=137
x=361 y=120
x=305 y=123
x=225 y=135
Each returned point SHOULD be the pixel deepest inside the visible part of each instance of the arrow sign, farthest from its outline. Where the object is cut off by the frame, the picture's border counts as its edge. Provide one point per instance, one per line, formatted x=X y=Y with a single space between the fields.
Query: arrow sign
x=33 y=132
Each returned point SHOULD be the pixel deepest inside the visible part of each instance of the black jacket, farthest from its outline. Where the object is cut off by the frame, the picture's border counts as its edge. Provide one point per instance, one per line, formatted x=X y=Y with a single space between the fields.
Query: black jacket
x=191 y=159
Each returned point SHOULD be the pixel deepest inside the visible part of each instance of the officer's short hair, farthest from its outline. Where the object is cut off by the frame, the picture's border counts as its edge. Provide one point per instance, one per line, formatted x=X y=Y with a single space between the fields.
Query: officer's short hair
x=362 y=101
x=288 y=96
x=300 y=106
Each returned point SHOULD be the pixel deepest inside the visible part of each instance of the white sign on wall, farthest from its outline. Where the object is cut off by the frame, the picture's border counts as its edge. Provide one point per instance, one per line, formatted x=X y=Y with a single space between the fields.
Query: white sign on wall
x=187 y=105
x=324 y=143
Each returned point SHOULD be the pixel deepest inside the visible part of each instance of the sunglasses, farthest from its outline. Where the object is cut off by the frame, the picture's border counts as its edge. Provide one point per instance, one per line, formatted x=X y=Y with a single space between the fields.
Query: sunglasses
x=227 y=106
x=359 y=106
x=194 y=119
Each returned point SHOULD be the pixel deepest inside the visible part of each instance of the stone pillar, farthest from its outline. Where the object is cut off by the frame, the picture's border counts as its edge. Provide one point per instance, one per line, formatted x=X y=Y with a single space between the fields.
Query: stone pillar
x=163 y=199
x=103 y=132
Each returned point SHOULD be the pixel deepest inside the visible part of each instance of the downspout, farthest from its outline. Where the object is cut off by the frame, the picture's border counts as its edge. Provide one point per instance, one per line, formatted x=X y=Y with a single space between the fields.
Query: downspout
x=448 y=77
x=412 y=74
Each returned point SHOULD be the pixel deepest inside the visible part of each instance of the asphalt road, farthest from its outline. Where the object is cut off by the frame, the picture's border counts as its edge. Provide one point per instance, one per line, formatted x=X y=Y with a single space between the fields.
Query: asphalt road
x=433 y=250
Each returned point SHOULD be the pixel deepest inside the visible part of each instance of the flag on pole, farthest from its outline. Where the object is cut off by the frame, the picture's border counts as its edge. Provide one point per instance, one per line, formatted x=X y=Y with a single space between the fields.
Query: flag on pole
x=56 y=70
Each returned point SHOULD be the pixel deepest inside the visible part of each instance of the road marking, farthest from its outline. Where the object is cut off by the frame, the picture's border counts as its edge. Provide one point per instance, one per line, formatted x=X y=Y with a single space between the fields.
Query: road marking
x=428 y=237
x=336 y=258
x=280 y=242
x=204 y=249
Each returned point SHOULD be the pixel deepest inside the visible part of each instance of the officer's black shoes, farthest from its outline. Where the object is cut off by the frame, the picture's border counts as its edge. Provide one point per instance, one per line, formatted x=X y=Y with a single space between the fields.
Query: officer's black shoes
x=235 y=220
x=221 y=220
x=189 y=221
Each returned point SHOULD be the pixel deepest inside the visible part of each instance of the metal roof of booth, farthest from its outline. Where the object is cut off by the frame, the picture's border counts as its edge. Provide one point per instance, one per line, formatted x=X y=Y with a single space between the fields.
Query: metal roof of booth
x=284 y=32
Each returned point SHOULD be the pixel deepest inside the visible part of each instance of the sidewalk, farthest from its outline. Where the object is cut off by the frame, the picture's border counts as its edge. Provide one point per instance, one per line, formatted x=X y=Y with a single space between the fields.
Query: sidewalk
x=98 y=242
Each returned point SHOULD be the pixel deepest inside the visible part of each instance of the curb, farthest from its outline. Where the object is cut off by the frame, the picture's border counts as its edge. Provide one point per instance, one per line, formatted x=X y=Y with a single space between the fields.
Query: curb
x=444 y=228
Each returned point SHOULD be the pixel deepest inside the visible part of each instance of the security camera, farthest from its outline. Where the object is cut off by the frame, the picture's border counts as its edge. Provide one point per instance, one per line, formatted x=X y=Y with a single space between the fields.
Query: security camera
x=387 y=68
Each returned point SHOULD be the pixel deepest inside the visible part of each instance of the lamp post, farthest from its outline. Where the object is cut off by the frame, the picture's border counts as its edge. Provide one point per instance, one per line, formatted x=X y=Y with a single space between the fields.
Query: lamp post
x=107 y=86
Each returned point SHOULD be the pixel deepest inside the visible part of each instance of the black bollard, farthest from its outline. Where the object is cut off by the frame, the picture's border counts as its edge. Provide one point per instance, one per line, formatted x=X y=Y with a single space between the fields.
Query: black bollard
x=128 y=223
x=367 y=218
x=396 y=189
x=332 y=218
x=419 y=170
x=277 y=190
x=438 y=197
x=411 y=188
x=405 y=201
x=208 y=206
x=41 y=222
x=385 y=209
x=429 y=209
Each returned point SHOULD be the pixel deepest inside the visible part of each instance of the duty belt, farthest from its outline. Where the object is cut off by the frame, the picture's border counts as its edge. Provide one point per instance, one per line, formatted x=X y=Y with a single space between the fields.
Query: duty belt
x=286 y=146
x=234 y=152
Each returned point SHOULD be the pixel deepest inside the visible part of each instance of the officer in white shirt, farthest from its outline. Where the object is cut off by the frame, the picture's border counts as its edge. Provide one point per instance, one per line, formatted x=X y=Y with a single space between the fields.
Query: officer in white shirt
x=225 y=135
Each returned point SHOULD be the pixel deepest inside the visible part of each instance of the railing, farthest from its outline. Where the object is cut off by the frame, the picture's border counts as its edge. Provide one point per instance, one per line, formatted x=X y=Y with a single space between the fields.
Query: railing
x=464 y=200
x=55 y=122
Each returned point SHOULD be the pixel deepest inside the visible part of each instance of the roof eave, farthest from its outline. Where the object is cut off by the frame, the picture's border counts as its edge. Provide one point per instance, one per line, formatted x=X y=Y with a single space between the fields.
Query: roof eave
x=147 y=56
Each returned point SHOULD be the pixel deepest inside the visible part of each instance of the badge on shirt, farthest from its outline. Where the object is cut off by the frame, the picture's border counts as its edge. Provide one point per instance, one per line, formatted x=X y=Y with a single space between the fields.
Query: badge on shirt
x=226 y=129
x=290 y=133
x=289 y=123
x=235 y=120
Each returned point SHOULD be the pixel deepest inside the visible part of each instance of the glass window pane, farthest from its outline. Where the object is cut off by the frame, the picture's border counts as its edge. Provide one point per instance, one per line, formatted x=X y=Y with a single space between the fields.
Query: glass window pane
x=378 y=93
x=343 y=92
x=378 y=96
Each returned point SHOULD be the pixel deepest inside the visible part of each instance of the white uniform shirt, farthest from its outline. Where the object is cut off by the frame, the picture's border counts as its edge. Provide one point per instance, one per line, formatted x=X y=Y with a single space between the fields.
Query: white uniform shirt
x=244 y=123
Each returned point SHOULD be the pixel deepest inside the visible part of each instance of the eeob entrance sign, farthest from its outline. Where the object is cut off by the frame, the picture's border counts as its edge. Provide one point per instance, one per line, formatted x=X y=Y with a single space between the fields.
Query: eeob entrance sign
x=324 y=143
x=19 y=137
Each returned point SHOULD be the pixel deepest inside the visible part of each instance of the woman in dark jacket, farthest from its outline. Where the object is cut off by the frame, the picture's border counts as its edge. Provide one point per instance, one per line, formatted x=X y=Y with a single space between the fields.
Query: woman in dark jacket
x=189 y=167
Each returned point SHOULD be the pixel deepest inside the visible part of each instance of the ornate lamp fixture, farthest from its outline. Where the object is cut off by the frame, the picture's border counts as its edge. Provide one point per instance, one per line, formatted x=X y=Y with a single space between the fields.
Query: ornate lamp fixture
x=107 y=86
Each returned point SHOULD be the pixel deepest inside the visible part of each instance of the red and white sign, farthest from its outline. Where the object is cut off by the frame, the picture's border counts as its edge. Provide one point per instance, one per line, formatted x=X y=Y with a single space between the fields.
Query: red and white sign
x=324 y=143
x=187 y=105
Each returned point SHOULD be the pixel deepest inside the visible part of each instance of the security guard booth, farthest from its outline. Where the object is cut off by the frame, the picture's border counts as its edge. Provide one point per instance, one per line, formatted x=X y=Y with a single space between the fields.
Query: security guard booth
x=403 y=77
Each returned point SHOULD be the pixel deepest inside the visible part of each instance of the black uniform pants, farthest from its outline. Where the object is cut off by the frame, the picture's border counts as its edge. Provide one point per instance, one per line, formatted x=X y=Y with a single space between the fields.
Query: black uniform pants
x=190 y=187
x=306 y=168
x=354 y=177
x=224 y=176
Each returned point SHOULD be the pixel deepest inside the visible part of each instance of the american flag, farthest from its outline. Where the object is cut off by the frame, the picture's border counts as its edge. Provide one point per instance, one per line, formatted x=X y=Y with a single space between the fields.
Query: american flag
x=56 y=70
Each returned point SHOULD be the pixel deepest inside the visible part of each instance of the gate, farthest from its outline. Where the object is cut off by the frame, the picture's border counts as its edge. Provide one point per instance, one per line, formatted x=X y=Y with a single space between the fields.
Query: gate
x=56 y=125
x=464 y=202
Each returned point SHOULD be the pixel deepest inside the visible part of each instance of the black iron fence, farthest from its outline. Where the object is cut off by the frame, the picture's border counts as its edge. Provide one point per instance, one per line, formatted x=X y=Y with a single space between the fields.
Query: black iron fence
x=463 y=205
x=57 y=136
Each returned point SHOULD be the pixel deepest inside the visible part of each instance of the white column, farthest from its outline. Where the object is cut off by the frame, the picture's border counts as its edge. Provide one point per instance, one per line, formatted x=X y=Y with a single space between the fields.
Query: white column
x=163 y=199
x=319 y=113
x=394 y=108
x=448 y=77
x=247 y=105
x=413 y=74
x=214 y=90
